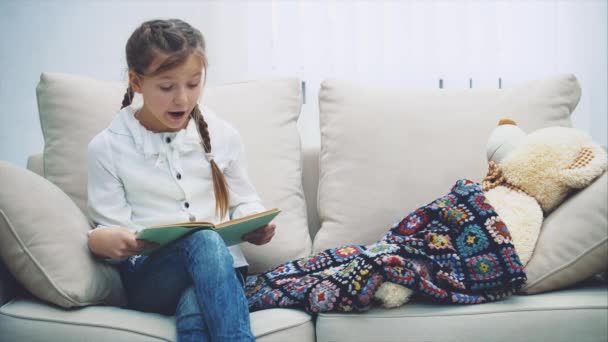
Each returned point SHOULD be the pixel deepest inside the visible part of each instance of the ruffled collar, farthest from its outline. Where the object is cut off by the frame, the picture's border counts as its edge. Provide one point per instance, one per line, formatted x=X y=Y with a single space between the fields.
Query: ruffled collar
x=153 y=144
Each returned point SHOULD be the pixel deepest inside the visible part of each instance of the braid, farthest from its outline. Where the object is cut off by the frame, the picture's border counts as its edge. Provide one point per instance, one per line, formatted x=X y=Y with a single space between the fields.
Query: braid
x=203 y=128
x=220 y=188
x=128 y=98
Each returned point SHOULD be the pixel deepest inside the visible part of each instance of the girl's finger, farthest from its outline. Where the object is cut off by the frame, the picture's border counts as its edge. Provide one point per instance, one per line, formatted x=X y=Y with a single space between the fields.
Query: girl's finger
x=254 y=235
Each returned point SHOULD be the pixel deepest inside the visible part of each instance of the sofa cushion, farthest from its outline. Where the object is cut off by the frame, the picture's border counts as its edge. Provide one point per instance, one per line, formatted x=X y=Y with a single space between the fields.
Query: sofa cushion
x=386 y=152
x=573 y=242
x=27 y=320
x=73 y=109
x=43 y=242
x=578 y=314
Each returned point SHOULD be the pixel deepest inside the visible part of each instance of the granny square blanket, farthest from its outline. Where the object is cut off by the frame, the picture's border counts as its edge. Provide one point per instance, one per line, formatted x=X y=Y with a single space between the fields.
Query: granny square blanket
x=453 y=250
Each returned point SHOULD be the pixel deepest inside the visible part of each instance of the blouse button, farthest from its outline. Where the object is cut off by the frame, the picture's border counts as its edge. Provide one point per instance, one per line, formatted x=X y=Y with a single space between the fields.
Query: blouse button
x=186 y=204
x=179 y=176
x=192 y=218
x=168 y=140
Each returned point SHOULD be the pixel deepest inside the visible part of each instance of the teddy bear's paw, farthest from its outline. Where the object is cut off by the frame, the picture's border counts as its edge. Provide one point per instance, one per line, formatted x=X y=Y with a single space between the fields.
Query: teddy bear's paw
x=392 y=295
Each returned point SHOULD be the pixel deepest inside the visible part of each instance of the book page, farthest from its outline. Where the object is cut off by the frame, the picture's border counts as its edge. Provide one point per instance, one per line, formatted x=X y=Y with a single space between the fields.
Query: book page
x=233 y=231
x=247 y=218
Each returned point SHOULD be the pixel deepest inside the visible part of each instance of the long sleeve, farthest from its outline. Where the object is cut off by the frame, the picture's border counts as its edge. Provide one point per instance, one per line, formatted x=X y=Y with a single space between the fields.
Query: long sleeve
x=106 y=195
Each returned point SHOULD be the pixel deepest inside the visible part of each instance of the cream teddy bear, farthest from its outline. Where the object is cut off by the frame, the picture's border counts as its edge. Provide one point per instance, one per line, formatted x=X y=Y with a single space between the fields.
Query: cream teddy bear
x=528 y=177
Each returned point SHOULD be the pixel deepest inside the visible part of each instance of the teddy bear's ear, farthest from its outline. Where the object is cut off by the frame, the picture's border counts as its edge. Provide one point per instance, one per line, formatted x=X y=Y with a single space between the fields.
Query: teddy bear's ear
x=503 y=139
x=589 y=164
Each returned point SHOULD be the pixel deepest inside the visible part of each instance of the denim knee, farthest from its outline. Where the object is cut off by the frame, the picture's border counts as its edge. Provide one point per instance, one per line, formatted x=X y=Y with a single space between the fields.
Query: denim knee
x=207 y=238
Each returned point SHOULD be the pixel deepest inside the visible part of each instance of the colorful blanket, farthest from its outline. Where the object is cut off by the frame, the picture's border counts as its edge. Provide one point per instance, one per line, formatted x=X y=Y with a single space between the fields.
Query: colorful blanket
x=454 y=250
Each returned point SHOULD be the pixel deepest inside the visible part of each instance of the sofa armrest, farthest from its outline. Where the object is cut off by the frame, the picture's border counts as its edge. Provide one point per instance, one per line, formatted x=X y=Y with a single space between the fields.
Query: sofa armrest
x=9 y=288
x=35 y=164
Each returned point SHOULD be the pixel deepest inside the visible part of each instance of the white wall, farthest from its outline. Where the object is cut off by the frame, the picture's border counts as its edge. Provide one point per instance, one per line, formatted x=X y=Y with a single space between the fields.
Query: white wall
x=412 y=43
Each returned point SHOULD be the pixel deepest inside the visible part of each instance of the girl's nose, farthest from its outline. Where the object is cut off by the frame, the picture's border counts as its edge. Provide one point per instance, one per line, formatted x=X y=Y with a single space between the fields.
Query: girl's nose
x=181 y=97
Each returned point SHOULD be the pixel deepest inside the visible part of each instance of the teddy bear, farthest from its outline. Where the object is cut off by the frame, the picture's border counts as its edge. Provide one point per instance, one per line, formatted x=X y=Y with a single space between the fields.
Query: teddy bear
x=529 y=175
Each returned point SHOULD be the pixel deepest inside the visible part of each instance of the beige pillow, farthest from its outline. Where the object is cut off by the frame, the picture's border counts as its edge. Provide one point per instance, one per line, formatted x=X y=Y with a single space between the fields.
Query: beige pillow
x=74 y=108
x=266 y=113
x=386 y=152
x=573 y=243
x=72 y=111
x=43 y=242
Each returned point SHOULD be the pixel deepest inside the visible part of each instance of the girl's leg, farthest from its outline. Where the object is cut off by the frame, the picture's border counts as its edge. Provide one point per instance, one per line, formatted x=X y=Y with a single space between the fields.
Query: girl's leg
x=201 y=260
x=188 y=317
x=217 y=287
x=189 y=320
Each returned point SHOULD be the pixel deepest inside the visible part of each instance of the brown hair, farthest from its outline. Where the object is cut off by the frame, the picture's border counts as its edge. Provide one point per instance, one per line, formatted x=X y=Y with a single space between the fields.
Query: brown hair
x=178 y=40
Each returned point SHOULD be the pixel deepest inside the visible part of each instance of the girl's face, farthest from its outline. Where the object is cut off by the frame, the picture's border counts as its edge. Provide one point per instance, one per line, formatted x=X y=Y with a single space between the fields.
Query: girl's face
x=170 y=96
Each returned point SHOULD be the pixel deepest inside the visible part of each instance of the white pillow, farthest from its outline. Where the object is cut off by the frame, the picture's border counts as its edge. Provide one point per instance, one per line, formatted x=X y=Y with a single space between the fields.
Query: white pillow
x=74 y=108
x=43 y=242
x=573 y=242
x=386 y=152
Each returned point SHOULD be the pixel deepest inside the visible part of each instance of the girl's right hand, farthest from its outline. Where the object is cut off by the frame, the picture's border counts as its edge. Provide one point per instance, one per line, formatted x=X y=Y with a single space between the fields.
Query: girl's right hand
x=115 y=243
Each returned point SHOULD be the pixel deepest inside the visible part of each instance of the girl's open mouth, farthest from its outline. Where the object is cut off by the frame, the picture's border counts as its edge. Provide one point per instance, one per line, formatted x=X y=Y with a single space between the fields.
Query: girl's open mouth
x=177 y=114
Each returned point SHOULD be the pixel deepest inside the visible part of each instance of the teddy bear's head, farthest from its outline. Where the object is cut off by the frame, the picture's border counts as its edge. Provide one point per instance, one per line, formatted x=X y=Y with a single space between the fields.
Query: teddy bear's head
x=546 y=164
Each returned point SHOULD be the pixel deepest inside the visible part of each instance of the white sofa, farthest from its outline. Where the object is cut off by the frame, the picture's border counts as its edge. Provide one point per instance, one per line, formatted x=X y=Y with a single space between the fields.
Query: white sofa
x=383 y=153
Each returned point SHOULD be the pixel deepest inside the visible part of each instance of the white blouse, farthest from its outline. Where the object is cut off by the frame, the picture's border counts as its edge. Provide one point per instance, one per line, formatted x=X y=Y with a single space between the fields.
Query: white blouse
x=138 y=178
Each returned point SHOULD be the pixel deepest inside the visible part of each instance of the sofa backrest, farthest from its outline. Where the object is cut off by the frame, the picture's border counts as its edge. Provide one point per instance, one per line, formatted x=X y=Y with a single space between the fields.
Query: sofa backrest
x=387 y=151
x=409 y=148
x=74 y=108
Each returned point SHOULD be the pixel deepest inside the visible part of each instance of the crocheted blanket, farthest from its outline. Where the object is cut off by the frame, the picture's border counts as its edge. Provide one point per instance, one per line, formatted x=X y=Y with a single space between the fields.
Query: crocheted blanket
x=454 y=250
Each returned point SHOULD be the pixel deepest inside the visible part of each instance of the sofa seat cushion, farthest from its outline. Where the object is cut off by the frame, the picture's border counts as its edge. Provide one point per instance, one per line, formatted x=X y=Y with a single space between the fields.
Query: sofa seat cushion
x=24 y=319
x=578 y=314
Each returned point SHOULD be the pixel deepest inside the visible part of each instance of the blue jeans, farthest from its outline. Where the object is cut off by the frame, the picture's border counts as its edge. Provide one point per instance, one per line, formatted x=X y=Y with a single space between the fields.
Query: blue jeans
x=194 y=279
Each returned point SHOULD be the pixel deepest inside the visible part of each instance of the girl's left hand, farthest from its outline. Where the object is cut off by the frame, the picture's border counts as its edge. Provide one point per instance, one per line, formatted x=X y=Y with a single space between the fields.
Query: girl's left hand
x=261 y=236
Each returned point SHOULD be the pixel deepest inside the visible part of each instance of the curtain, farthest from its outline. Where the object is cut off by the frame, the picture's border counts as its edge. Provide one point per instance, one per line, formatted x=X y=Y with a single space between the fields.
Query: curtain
x=416 y=43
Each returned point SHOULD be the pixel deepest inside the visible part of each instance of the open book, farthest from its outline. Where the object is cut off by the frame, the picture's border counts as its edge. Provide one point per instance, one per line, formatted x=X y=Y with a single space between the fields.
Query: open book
x=231 y=231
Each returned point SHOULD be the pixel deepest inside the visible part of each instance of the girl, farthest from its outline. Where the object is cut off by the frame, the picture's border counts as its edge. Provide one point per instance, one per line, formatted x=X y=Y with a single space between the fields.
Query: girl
x=155 y=164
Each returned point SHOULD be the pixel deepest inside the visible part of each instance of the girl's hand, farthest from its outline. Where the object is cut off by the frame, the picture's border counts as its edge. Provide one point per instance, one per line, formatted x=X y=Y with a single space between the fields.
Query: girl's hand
x=115 y=243
x=261 y=235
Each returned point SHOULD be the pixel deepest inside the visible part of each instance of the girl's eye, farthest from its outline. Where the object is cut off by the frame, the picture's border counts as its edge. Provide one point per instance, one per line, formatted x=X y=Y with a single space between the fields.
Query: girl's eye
x=166 y=88
x=193 y=85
